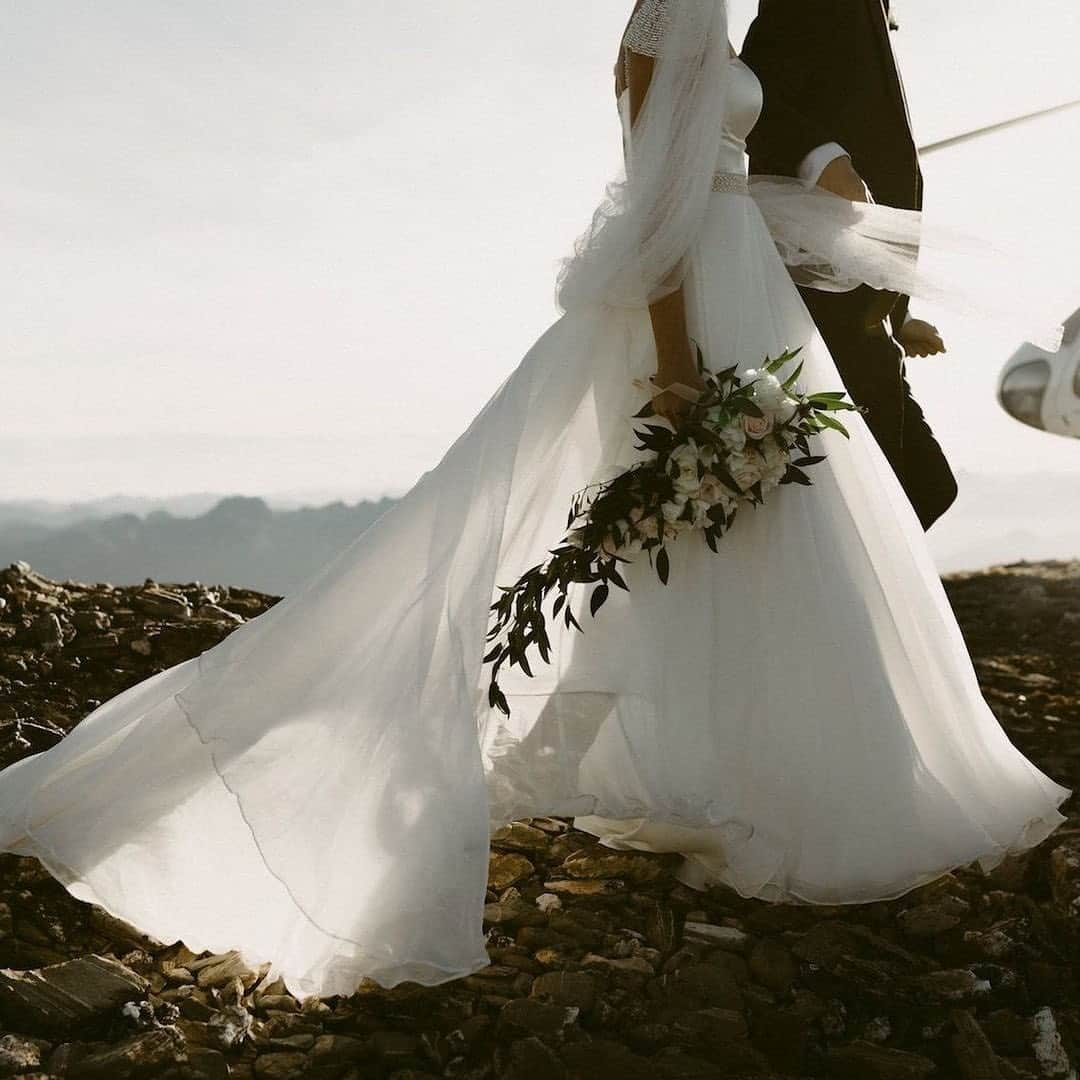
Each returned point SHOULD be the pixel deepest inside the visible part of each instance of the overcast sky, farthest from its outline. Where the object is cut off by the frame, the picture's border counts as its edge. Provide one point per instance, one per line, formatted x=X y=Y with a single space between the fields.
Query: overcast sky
x=265 y=245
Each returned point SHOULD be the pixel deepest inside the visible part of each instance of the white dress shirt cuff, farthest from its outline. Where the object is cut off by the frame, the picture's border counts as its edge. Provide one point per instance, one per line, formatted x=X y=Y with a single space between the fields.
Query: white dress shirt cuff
x=813 y=165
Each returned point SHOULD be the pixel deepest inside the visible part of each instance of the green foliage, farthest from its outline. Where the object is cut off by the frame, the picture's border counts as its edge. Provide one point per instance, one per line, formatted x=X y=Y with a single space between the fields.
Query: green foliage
x=589 y=553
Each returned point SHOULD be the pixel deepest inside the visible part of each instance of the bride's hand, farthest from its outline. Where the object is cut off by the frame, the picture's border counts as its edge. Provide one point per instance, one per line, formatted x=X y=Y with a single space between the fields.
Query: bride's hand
x=670 y=404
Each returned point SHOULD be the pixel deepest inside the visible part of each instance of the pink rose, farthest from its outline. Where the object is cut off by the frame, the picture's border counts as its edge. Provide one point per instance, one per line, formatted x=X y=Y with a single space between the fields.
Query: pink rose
x=757 y=427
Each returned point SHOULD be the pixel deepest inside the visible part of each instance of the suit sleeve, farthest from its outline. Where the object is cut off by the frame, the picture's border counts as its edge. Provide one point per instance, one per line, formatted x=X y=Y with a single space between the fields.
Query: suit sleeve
x=788 y=47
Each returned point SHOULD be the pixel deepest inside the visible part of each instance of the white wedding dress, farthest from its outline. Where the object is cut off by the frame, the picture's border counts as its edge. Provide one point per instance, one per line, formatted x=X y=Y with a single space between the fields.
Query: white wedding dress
x=797 y=714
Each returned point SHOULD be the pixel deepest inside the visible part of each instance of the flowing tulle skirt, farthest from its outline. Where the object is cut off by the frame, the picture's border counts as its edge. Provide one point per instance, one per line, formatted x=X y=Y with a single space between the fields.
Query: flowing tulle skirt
x=797 y=714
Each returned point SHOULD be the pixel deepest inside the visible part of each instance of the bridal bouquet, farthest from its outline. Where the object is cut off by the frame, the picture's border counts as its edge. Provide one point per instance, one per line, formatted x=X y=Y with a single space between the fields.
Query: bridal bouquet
x=746 y=435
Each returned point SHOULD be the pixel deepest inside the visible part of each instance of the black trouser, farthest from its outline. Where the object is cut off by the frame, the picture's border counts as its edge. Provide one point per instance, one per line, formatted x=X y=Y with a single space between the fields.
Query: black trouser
x=871 y=364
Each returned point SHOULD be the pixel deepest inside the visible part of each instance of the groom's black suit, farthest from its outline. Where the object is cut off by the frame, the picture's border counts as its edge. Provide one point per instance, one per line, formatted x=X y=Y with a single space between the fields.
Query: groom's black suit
x=829 y=76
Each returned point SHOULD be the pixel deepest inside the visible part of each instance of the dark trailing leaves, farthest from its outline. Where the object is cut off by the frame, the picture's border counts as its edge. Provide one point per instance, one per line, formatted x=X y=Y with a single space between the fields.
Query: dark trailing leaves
x=596 y=601
x=663 y=565
x=600 y=511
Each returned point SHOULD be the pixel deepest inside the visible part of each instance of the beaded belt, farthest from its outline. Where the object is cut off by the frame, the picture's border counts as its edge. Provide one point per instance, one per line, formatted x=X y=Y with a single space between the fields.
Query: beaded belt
x=732 y=183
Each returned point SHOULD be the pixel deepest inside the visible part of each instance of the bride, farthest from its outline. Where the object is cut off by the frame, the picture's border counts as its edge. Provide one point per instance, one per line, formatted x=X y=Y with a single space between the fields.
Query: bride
x=797 y=714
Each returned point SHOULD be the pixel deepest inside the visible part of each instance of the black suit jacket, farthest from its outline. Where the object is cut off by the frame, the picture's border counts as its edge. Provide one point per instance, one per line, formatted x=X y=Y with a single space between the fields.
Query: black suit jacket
x=829 y=75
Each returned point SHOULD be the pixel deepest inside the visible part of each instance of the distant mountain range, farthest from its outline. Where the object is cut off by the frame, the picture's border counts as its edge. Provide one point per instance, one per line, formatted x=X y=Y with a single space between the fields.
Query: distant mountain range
x=236 y=540
x=273 y=546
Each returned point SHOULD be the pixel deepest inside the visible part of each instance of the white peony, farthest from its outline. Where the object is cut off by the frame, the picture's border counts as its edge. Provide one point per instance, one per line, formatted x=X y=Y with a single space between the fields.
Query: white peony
x=776 y=465
x=701 y=513
x=673 y=529
x=745 y=469
x=686 y=455
x=687 y=482
x=786 y=410
x=711 y=490
x=733 y=437
x=608 y=545
x=671 y=510
x=649 y=527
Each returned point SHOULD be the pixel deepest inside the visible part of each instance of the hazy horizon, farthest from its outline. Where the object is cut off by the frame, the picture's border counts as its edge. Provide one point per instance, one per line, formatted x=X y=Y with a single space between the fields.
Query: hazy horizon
x=248 y=251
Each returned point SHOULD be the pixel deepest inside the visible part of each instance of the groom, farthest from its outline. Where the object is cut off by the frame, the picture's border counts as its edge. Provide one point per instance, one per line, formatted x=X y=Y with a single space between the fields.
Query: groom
x=835 y=115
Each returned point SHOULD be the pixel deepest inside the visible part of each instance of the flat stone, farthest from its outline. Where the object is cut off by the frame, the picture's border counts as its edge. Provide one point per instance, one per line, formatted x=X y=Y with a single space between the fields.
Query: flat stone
x=575 y=989
x=505 y=870
x=517 y=836
x=710 y=1027
x=537 y=1018
x=283 y=1065
x=954 y=985
x=228 y=966
x=703 y=986
x=511 y=912
x=143 y=1057
x=784 y=1037
x=930 y=920
x=626 y=965
x=1009 y=1032
x=529 y=1059
x=161 y=602
x=120 y=932
x=585 y=888
x=1049 y=1047
x=205 y=1064
x=865 y=1061
x=213 y=613
x=773 y=966
x=604 y=1058
x=339 y=1050
x=722 y=937
x=230 y=1027
x=56 y=999
x=1065 y=876
x=278 y=1003
x=19 y=1054
x=975 y=1057
x=603 y=863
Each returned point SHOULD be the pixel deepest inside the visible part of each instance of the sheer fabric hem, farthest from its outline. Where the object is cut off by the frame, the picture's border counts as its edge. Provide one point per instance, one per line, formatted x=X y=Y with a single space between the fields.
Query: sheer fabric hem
x=346 y=980
x=701 y=874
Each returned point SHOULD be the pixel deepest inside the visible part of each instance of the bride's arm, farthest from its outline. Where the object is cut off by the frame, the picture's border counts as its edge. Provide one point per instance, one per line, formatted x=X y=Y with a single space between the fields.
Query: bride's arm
x=675 y=359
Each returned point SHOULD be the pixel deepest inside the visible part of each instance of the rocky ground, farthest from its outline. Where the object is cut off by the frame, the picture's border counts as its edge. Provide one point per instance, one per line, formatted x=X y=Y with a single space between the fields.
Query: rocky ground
x=601 y=964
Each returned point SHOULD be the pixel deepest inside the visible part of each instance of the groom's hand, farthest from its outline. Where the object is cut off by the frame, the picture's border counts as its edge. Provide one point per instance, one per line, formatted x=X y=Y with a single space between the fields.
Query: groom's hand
x=840 y=177
x=919 y=338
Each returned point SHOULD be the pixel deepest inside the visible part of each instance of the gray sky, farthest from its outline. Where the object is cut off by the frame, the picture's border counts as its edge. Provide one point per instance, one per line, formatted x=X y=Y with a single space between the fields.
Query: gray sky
x=268 y=246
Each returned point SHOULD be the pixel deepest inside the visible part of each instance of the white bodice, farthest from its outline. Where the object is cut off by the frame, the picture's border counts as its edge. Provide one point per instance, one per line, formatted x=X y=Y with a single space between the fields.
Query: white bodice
x=743 y=106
